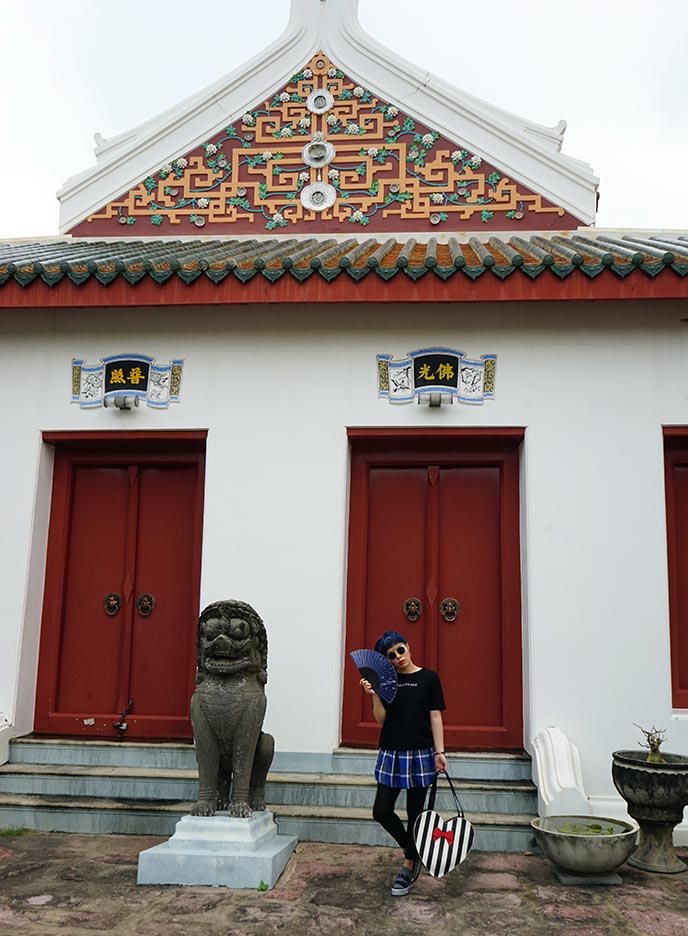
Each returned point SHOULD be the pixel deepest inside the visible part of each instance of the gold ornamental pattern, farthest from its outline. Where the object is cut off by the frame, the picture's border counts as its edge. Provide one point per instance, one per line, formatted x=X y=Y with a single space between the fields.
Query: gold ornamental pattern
x=490 y=370
x=383 y=375
x=175 y=380
x=380 y=169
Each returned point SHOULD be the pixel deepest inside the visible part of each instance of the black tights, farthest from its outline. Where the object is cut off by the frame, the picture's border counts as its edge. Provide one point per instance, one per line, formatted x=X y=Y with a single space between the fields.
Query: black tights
x=383 y=812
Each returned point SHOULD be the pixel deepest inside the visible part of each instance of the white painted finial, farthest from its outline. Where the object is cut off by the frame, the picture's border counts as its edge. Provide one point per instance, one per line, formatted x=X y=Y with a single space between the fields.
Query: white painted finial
x=303 y=9
x=327 y=20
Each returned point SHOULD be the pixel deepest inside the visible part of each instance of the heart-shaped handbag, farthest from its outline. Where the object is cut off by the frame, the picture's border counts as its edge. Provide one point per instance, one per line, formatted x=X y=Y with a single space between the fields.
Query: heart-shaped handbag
x=442 y=844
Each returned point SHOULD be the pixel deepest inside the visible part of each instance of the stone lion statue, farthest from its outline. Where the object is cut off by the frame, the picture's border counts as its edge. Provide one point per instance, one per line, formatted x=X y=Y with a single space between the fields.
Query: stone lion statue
x=228 y=708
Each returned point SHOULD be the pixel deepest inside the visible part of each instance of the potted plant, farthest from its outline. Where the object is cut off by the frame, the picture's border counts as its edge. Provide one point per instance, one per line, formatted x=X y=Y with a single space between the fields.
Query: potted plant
x=585 y=846
x=655 y=787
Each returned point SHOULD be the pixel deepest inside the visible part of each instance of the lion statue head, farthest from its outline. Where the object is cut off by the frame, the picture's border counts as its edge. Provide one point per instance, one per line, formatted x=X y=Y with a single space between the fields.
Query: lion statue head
x=231 y=640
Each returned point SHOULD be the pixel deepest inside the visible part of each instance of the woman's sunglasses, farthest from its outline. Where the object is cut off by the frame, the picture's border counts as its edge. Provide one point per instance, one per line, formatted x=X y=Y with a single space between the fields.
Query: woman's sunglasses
x=397 y=652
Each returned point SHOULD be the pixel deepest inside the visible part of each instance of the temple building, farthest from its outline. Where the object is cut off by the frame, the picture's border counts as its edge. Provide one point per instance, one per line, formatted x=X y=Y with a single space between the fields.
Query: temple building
x=340 y=340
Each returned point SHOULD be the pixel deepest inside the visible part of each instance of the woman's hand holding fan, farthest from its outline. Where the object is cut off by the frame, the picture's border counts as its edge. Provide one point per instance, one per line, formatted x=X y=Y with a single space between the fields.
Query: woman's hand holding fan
x=378 y=671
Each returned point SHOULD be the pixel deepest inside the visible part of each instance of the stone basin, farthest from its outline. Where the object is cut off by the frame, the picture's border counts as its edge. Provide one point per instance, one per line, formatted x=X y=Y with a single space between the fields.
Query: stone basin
x=656 y=795
x=655 y=791
x=592 y=854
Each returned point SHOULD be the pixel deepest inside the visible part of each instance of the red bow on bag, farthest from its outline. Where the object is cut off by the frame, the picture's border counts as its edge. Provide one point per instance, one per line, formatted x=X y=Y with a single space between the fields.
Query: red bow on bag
x=439 y=834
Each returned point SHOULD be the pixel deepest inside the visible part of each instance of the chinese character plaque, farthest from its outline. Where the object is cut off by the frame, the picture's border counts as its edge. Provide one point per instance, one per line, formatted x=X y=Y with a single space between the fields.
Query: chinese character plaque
x=131 y=374
x=436 y=370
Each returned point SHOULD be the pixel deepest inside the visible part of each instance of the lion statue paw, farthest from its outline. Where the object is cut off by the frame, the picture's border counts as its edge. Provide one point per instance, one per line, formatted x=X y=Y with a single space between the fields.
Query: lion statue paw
x=240 y=810
x=203 y=808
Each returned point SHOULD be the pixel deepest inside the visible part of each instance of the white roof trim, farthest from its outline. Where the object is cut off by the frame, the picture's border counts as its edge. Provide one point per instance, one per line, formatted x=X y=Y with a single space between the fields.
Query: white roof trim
x=525 y=151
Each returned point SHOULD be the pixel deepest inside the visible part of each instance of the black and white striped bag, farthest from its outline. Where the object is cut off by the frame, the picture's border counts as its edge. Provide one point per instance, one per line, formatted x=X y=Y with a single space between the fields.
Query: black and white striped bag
x=442 y=844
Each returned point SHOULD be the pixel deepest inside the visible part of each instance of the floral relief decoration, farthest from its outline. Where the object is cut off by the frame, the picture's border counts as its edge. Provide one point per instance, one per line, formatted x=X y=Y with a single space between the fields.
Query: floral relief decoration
x=382 y=170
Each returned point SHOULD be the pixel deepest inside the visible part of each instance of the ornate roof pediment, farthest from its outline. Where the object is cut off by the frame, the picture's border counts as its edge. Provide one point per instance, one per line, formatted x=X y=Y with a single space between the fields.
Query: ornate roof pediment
x=324 y=132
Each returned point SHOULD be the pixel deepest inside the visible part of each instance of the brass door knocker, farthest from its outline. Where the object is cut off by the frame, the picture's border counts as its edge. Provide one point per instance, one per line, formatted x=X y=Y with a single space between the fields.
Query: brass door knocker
x=413 y=608
x=145 y=604
x=112 y=602
x=449 y=609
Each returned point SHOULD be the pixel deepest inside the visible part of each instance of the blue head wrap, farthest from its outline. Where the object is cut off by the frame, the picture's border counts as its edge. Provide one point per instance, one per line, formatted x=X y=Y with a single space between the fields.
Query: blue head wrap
x=389 y=639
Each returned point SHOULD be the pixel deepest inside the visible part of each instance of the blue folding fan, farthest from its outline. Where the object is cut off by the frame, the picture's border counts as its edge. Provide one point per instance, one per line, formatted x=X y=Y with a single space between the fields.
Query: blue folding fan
x=379 y=672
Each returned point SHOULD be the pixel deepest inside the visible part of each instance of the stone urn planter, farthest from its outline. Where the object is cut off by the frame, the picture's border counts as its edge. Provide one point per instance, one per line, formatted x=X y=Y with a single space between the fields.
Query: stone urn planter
x=585 y=846
x=656 y=794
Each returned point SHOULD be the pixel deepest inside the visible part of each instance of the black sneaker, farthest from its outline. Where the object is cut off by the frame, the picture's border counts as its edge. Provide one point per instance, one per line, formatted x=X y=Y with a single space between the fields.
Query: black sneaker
x=403 y=883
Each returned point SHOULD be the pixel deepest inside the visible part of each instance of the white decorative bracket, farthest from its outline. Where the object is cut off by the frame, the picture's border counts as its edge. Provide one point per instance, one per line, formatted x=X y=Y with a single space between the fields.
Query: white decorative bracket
x=558 y=775
x=6 y=734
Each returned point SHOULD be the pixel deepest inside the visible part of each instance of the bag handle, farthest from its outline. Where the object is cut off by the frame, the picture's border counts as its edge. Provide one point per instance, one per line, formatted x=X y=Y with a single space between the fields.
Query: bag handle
x=433 y=794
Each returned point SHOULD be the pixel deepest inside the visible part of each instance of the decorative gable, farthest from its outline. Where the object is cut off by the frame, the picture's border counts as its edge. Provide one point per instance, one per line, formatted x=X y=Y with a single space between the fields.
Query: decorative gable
x=356 y=136
x=322 y=154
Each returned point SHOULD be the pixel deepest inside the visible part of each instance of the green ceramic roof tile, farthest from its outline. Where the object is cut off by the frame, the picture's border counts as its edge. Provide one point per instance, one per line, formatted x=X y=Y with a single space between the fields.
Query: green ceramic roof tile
x=562 y=245
x=625 y=250
x=406 y=251
x=543 y=255
x=599 y=251
x=487 y=259
x=377 y=256
x=456 y=253
x=501 y=249
x=678 y=245
x=505 y=256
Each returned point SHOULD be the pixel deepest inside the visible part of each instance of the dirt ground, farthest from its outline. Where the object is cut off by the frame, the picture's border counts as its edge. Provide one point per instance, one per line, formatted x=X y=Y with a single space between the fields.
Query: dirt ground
x=79 y=885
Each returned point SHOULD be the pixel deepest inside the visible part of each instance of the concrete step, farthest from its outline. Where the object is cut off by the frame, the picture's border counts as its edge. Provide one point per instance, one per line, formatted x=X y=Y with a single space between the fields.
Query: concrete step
x=315 y=823
x=162 y=756
x=125 y=783
x=180 y=756
x=128 y=787
x=465 y=765
x=352 y=791
x=327 y=790
x=512 y=833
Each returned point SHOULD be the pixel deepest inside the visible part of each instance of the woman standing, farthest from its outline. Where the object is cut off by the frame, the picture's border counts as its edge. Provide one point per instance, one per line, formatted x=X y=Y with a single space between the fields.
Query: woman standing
x=411 y=748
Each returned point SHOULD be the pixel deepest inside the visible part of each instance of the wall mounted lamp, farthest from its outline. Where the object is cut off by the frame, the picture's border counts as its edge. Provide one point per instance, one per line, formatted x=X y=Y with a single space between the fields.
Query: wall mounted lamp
x=123 y=401
x=434 y=399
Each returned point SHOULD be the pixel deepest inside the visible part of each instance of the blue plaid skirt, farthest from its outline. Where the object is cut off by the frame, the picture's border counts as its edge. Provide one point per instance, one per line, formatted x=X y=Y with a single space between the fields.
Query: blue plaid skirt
x=404 y=769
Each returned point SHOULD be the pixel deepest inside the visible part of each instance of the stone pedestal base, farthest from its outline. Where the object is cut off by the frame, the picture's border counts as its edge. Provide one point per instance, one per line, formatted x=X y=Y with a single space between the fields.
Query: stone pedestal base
x=219 y=851
x=655 y=851
x=570 y=879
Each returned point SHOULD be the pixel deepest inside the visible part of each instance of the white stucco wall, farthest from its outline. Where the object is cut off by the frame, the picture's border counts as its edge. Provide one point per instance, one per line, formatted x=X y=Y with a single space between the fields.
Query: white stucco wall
x=277 y=387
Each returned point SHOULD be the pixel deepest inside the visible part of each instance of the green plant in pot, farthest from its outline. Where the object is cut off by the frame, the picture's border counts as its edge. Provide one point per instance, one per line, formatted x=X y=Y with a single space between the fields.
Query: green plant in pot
x=655 y=787
x=655 y=739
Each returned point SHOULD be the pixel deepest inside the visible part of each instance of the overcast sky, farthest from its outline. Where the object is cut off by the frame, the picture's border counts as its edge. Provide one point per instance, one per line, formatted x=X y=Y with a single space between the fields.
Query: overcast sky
x=615 y=70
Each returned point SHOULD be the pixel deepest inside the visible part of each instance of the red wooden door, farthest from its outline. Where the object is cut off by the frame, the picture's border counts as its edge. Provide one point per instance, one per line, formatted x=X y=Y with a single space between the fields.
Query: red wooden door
x=676 y=488
x=435 y=518
x=126 y=521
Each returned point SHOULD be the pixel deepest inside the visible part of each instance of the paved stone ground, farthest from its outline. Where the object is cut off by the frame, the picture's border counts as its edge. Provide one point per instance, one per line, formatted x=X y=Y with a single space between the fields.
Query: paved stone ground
x=79 y=885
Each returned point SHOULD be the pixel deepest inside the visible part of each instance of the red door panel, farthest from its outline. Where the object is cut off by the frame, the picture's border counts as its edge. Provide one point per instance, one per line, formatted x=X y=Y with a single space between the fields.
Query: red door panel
x=395 y=560
x=91 y=641
x=438 y=518
x=125 y=519
x=163 y=642
x=676 y=488
x=680 y=557
x=395 y=551
x=470 y=651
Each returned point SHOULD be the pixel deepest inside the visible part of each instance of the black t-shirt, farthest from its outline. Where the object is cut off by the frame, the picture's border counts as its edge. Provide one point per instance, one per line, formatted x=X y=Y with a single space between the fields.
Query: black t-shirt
x=407 y=725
